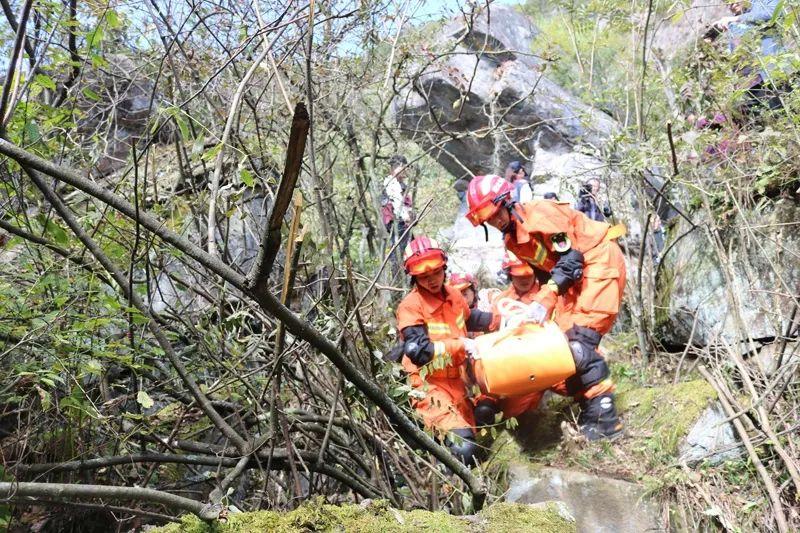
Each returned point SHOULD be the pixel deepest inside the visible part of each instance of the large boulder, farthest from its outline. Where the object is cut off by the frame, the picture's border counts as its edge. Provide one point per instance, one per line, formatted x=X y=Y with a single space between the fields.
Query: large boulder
x=693 y=292
x=486 y=101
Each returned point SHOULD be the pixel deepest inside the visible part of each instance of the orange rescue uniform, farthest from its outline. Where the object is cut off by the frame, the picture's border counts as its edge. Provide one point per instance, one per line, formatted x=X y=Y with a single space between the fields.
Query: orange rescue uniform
x=444 y=403
x=595 y=300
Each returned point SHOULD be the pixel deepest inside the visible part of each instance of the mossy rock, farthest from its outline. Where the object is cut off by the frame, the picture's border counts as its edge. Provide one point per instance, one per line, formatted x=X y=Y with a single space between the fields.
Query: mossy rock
x=380 y=518
x=658 y=418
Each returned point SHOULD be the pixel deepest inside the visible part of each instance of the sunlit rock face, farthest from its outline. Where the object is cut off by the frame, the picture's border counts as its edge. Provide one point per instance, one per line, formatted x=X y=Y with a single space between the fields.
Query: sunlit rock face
x=697 y=293
x=483 y=99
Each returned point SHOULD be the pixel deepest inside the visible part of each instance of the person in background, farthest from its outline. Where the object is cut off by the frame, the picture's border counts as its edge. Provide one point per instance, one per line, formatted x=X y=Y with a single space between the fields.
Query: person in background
x=588 y=201
x=395 y=201
x=748 y=17
x=550 y=195
x=467 y=286
x=658 y=238
x=460 y=187
x=518 y=177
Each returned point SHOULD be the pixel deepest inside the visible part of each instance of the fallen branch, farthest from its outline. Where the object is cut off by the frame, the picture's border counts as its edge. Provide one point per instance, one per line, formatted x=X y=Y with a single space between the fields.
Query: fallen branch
x=63 y=491
x=271 y=240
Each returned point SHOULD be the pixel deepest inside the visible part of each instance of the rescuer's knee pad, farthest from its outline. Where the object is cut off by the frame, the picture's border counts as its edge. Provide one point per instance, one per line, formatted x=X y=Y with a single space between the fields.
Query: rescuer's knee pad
x=590 y=367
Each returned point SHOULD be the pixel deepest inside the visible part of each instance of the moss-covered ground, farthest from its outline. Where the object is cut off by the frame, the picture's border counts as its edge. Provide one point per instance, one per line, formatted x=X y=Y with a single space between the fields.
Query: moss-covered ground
x=380 y=518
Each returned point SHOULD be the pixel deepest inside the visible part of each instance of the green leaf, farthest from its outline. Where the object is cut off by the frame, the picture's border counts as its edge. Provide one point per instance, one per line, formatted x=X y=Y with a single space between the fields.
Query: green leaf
x=45 y=81
x=112 y=19
x=247 y=177
x=144 y=399
x=90 y=94
x=99 y=61
x=32 y=131
x=57 y=233
x=211 y=154
x=94 y=38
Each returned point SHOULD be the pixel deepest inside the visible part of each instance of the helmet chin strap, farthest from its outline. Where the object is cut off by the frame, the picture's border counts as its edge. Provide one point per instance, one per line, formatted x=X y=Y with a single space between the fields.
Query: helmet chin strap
x=513 y=212
x=509 y=205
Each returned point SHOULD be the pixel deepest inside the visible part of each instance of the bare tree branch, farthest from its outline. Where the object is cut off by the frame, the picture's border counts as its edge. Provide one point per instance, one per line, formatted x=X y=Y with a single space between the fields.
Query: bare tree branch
x=63 y=491
x=271 y=239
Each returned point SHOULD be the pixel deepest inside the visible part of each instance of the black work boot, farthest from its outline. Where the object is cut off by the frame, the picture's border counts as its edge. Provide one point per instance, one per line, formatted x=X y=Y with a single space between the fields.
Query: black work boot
x=462 y=444
x=598 y=418
x=485 y=413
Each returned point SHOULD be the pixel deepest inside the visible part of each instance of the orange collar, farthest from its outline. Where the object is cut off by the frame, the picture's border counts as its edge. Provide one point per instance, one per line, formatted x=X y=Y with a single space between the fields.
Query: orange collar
x=432 y=302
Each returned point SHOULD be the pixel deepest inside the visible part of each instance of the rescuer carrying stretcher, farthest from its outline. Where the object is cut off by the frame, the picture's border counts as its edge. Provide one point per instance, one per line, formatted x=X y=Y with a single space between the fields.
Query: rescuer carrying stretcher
x=582 y=271
x=433 y=320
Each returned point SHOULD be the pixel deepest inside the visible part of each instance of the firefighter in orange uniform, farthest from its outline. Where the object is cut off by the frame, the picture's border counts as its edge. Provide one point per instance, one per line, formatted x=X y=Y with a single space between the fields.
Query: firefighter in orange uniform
x=433 y=320
x=467 y=286
x=585 y=277
x=523 y=286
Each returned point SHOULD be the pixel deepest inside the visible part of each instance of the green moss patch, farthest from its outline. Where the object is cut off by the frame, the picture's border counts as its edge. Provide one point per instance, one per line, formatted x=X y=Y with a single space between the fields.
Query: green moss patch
x=380 y=518
x=657 y=418
x=515 y=517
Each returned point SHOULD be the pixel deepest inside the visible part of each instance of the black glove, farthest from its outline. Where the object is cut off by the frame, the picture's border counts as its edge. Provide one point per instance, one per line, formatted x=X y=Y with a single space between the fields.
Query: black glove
x=417 y=345
x=568 y=270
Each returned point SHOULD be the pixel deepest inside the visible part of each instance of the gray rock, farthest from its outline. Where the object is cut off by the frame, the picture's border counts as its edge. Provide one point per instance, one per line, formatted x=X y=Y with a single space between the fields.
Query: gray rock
x=770 y=358
x=488 y=77
x=245 y=224
x=599 y=505
x=711 y=439
x=692 y=284
x=117 y=114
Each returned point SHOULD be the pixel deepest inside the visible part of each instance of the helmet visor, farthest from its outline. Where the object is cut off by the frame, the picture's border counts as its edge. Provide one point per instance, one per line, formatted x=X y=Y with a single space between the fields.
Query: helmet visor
x=482 y=212
x=423 y=266
x=521 y=270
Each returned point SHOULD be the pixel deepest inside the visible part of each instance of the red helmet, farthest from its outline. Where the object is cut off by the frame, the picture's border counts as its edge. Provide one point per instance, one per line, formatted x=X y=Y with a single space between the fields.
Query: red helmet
x=515 y=266
x=462 y=281
x=485 y=195
x=423 y=255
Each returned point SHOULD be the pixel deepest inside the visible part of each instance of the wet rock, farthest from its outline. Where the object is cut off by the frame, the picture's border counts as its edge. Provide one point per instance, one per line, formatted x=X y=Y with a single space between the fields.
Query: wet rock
x=711 y=440
x=598 y=504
